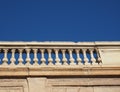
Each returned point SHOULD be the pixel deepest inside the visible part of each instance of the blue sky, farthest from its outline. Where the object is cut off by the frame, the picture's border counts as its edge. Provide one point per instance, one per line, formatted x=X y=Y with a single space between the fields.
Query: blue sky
x=60 y=20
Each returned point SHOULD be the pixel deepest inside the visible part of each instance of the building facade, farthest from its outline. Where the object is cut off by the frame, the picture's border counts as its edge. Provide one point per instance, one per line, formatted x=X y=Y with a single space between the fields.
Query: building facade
x=59 y=67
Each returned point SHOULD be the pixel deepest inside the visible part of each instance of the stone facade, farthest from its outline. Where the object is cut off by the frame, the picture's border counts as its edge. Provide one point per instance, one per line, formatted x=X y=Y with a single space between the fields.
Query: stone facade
x=59 y=67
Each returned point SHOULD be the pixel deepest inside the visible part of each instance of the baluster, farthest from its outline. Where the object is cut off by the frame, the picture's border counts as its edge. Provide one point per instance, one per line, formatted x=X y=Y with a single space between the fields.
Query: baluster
x=64 y=59
x=85 y=56
x=35 y=57
x=5 y=59
x=71 y=57
x=57 y=59
x=28 y=57
x=93 y=60
x=50 y=60
x=79 y=60
x=98 y=57
x=43 y=60
x=20 y=59
x=13 y=57
x=0 y=57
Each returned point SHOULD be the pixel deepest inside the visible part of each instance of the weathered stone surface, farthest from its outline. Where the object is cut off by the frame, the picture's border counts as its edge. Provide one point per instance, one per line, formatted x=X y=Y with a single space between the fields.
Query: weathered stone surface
x=37 y=84
x=83 y=85
x=110 y=56
x=100 y=71
x=13 y=85
x=82 y=81
x=11 y=89
x=42 y=84
x=107 y=89
x=98 y=58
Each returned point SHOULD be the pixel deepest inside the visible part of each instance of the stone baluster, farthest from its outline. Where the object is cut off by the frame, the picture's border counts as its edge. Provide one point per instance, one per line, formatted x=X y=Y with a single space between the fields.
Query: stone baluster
x=35 y=59
x=98 y=57
x=71 y=57
x=57 y=59
x=13 y=57
x=85 y=56
x=50 y=60
x=43 y=60
x=0 y=53
x=20 y=59
x=79 y=60
x=93 y=60
x=28 y=57
x=64 y=59
x=5 y=59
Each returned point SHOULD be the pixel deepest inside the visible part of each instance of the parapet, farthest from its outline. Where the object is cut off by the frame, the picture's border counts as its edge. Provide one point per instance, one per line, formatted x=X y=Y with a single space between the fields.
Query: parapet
x=59 y=58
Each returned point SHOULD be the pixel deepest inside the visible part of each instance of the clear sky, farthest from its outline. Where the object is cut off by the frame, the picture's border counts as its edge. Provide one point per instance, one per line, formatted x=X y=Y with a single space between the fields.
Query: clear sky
x=60 y=20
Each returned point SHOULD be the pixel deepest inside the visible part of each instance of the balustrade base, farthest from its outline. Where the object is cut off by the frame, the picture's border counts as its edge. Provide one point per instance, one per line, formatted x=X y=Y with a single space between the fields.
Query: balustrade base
x=59 y=70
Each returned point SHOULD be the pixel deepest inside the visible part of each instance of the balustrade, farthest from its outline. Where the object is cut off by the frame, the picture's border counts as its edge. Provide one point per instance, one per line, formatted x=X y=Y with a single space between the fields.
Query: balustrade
x=82 y=56
x=59 y=58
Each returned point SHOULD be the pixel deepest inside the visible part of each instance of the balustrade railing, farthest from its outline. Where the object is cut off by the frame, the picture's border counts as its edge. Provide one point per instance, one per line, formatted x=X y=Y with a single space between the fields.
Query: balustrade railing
x=49 y=55
x=59 y=58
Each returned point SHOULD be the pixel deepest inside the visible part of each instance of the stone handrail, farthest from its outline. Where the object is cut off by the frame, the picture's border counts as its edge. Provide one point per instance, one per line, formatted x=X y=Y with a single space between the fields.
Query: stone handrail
x=57 y=55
